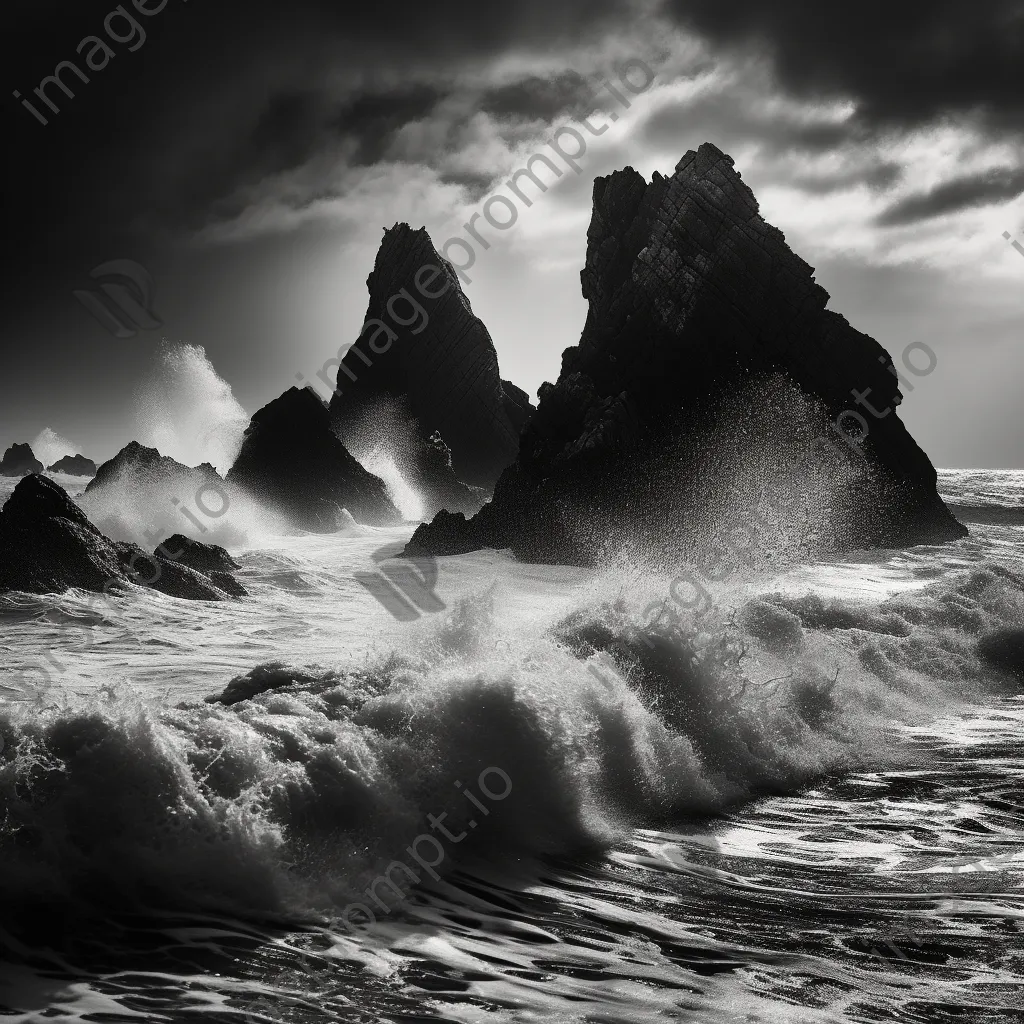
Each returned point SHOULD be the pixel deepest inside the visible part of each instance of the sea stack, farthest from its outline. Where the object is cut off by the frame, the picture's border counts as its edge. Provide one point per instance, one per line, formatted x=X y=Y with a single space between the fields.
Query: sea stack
x=292 y=461
x=73 y=465
x=423 y=346
x=19 y=460
x=141 y=468
x=704 y=396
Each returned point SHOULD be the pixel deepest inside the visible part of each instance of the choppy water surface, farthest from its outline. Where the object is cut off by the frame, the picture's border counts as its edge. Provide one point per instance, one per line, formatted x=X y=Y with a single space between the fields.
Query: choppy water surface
x=811 y=812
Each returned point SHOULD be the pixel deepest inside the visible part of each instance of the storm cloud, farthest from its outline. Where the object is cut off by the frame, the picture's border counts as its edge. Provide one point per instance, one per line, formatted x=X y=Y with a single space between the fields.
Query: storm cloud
x=902 y=63
x=963 y=193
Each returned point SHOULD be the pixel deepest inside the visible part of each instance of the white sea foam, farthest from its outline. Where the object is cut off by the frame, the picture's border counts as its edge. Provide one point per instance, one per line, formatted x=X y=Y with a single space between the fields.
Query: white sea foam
x=288 y=805
x=311 y=789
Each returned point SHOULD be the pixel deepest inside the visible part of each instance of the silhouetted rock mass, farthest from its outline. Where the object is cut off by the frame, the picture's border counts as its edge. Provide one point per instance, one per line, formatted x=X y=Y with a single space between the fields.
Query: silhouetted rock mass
x=208 y=560
x=422 y=342
x=518 y=406
x=19 y=460
x=137 y=466
x=703 y=396
x=292 y=461
x=73 y=465
x=204 y=558
x=47 y=545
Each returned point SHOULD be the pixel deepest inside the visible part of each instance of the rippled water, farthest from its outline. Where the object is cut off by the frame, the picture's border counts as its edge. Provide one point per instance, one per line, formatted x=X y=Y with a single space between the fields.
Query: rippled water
x=822 y=827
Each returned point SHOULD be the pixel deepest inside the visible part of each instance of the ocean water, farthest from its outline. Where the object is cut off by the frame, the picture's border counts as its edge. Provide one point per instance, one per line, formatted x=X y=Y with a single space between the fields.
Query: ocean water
x=562 y=796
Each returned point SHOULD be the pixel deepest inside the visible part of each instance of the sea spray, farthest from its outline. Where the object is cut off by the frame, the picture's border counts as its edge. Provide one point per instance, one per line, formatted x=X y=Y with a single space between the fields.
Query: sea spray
x=145 y=507
x=407 y=499
x=290 y=801
x=188 y=412
x=384 y=438
x=50 y=447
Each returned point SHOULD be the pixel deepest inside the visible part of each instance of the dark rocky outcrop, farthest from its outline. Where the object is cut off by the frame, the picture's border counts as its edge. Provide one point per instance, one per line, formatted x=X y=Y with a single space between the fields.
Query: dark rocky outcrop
x=47 y=545
x=204 y=558
x=19 y=460
x=140 y=495
x=73 y=465
x=518 y=407
x=139 y=467
x=441 y=361
x=208 y=560
x=704 y=393
x=292 y=461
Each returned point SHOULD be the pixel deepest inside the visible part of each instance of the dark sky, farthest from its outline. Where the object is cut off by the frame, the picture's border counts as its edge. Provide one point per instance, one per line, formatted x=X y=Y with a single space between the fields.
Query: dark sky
x=248 y=154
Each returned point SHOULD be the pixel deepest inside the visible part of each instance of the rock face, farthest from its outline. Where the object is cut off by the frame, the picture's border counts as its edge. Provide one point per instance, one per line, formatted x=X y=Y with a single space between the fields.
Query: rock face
x=73 y=465
x=706 y=385
x=204 y=558
x=422 y=343
x=208 y=560
x=141 y=467
x=518 y=406
x=19 y=460
x=293 y=462
x=47 y=545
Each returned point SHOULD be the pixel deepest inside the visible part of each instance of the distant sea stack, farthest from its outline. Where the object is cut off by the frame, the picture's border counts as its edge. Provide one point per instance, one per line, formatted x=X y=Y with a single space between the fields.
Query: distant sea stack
x=19 y=460
x=292 y=461
x=47 y=545
x=140 y=467
x=422 y=343
x=703 y=397
x=73 y=465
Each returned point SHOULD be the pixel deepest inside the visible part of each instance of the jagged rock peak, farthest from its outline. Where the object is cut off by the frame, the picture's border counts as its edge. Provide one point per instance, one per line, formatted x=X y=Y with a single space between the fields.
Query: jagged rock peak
x=292 y=461
x=708 y=377
x=422 y=343
x=19 y=460
x=142 y=465
x=73 y=465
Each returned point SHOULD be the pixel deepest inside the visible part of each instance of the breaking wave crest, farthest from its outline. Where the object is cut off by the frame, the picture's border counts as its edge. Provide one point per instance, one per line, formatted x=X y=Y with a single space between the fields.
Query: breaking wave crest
x=286 y=797
x=187 y=411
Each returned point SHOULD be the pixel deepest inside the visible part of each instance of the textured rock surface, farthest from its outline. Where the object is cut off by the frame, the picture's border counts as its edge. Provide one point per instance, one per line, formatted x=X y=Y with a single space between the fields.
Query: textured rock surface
x=73 y=465
x=19 y=460
x=442 y=360
x=204 y=558
x=139 y=467
x=47 y=545
x=704 y=386
x=292 y=461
